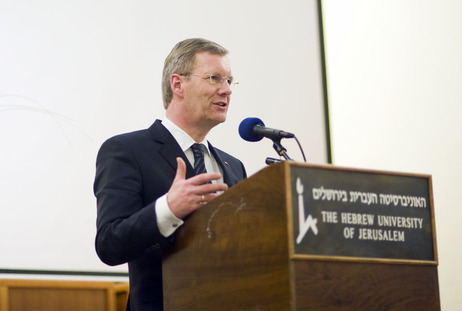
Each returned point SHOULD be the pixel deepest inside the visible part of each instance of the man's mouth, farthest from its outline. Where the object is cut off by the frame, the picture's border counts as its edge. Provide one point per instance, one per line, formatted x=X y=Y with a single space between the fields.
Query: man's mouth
x=221 y=104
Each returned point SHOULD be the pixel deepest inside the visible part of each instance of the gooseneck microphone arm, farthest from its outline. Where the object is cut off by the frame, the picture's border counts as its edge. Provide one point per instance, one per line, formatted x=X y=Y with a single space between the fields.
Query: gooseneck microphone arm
x=280 y=149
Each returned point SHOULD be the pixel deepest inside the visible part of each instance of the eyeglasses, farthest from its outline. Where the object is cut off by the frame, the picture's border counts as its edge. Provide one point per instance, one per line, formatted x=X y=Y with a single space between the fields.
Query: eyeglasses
x=214 y=79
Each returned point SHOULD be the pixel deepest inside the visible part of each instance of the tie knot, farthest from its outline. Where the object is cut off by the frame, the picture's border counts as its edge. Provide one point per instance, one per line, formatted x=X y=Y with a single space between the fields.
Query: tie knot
x=198 y=150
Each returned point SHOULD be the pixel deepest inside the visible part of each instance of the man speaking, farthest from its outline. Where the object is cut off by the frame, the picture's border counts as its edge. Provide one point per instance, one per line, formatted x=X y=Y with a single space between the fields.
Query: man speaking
x=148 y=181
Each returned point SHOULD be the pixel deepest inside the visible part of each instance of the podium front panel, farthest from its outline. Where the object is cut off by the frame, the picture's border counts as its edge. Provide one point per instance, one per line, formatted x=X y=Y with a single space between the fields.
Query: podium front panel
x=361 y=215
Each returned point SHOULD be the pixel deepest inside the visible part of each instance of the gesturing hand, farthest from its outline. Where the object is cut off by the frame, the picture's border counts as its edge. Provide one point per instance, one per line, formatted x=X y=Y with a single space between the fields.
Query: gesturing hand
x=187 y=195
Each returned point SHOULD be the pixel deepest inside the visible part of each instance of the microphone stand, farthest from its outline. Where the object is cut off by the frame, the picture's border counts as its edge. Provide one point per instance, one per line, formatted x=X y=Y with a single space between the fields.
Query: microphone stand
x=280 y=149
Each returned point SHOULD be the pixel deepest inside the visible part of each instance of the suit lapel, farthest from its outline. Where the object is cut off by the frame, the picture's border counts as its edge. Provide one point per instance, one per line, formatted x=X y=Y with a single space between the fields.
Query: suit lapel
x=169 y=148
x=229 y=177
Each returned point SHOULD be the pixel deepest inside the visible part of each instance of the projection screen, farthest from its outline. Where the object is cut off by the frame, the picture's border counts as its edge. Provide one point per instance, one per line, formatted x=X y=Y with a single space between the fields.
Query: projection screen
x=74 y=73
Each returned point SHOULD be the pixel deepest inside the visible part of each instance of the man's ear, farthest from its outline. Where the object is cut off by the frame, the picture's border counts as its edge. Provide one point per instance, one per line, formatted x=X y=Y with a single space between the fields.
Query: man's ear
x=176 y=84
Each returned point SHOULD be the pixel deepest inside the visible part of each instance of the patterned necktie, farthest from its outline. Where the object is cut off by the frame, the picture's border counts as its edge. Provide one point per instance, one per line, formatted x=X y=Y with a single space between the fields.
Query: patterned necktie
x=199 y=164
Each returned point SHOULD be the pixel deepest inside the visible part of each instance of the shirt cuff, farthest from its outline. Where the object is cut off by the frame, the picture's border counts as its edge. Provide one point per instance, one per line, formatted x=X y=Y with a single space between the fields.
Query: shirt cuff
x=166 y=221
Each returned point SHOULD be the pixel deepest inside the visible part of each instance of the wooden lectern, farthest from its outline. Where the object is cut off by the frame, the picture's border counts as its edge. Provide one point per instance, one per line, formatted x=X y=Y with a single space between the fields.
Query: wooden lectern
x=238 y=252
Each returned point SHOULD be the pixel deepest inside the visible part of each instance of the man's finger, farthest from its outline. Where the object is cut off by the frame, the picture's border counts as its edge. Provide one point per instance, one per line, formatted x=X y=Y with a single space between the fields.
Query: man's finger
x=181 y=169
x=210 y=188
x=204 y=178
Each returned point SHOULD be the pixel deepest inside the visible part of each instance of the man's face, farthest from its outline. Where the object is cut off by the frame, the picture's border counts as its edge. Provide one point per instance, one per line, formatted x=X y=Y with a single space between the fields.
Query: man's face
x=205 y=103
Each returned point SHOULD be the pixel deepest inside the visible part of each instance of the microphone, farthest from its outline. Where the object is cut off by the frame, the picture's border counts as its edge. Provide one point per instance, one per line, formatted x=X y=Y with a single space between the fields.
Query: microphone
x=253 y=129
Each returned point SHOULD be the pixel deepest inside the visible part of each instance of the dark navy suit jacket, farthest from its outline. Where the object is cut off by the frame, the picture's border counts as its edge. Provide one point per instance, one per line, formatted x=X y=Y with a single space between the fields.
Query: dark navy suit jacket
x=132 y=171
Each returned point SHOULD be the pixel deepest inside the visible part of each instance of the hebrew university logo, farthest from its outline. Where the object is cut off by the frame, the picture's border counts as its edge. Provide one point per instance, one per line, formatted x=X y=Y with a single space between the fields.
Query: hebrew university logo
x=304 y=224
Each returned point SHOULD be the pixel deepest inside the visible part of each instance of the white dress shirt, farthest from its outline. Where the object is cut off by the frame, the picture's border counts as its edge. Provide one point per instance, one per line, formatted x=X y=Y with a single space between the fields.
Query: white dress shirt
x=166 y=220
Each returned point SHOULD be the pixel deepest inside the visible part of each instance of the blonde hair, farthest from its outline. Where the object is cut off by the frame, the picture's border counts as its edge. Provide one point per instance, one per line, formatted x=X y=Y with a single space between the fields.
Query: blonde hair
x=182 y=59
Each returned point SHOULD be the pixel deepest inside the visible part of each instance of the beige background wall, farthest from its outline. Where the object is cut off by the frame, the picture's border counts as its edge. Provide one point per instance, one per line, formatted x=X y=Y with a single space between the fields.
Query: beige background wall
x=395 y=93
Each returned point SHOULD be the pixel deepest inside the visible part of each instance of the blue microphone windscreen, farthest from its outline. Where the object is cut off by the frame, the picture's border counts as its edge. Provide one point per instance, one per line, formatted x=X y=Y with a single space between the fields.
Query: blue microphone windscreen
x=246 y=129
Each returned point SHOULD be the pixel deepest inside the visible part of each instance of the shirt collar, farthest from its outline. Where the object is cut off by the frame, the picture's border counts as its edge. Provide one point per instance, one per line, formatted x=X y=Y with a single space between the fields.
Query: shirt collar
x=183 y=139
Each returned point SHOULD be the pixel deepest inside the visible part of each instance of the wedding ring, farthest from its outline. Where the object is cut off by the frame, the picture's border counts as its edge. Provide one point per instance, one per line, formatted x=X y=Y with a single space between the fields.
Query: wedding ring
x=203 y=198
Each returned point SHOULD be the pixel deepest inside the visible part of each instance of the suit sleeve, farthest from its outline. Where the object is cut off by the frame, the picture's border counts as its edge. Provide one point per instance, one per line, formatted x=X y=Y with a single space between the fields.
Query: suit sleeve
x=126 y=228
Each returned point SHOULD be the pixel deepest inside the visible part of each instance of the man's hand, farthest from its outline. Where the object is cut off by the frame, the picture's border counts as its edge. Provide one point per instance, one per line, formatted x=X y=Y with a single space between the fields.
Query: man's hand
x=187 y=195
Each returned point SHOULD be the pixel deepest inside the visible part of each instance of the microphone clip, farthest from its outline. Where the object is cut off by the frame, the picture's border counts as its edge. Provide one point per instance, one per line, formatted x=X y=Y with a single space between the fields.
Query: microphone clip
x=280 y=149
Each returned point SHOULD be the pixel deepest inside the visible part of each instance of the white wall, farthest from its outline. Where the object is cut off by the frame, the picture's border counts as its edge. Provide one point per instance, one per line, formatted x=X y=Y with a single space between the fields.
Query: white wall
x=73 y=73
x=394 y=72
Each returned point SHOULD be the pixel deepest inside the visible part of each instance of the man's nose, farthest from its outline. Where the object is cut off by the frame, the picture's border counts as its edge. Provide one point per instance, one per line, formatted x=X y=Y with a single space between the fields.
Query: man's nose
x=225 y=88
